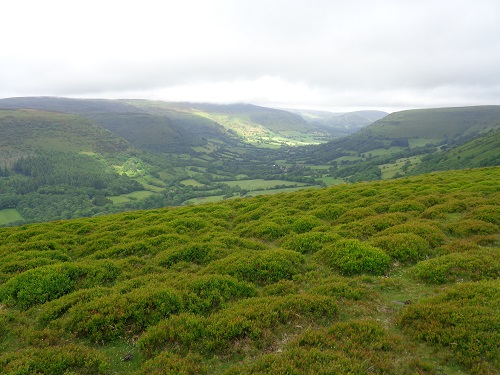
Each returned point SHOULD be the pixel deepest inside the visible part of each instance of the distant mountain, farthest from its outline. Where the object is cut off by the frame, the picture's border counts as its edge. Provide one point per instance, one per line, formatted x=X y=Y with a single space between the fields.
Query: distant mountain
x=340 y=124
x=174 y=127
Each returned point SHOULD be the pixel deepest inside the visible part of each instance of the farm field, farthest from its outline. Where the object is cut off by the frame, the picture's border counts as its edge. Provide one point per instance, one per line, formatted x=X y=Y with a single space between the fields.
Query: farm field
x=9 y=215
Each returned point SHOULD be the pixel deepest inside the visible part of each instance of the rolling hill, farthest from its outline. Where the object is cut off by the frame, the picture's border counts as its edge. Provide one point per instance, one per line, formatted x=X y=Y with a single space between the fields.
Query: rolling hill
x=341 y=124
x=386 y=277
x=408 y=136
x=105 y=156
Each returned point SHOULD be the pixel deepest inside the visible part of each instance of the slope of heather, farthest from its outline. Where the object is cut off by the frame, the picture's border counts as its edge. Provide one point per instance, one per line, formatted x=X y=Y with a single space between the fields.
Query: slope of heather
x=387 y=277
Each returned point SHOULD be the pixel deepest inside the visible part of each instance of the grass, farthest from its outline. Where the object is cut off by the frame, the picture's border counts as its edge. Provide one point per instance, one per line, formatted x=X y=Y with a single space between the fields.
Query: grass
x=9 y=215
x=260 y=184
x=131 y=196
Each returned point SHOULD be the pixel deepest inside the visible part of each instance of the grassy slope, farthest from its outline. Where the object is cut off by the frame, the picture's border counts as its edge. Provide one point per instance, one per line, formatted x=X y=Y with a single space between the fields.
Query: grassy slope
x=25 y=130
x=391 y=277
x=438 y=123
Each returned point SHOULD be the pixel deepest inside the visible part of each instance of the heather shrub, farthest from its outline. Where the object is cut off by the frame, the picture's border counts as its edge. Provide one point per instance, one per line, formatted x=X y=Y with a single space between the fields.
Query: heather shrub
x=353 y=257
x=345 y=348
x=307 y=243
x=407 y=205
x=404 y=247
x=198 y=253
x=449 y=207
x=431 y=233
x=329 y=211
x=488 y=213
x=355 y=214
x=251 y=320
x=474 y=265
x=42 y=284
x=469 y=227
x=304 y=223
x=265 y=230
x=261 y=267
x=465 y=320
x=168 y=363
x=54 y=360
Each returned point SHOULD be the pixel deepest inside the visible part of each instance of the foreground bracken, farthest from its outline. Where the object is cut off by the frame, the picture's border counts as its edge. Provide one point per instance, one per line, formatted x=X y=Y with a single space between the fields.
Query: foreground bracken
x=394 y=277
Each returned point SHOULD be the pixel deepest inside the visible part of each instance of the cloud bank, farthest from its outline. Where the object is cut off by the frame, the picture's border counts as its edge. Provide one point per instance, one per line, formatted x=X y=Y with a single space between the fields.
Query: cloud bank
x=335 y=55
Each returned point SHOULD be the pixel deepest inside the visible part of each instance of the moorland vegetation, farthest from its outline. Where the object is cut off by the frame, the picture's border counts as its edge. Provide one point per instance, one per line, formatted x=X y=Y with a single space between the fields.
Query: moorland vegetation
x=381 y=277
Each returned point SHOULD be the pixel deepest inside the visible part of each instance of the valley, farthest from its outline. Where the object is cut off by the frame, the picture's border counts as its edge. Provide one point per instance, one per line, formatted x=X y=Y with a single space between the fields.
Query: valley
x=106 y=156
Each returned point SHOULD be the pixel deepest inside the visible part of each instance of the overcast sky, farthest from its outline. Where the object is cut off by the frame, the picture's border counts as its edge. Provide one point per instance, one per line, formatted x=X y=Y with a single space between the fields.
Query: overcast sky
x=318 y=54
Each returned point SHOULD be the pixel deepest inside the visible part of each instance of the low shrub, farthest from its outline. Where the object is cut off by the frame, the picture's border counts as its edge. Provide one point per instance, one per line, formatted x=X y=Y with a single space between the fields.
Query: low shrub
x=407 y=206
x=198 y=253
x=404 y=247
x=329 y=211
x=355 y=214
x=464 y=319
x=488 y=213
x=308 y=243
x=474 y=265
x=469 y=227
x=345 y=348
x=353 y=257
x=251 y=320
x=450 y=207
x=56 y=360
x=429 y=232
x=43 y=284
x=303 y=224
x=168 y=363
x=260 y=267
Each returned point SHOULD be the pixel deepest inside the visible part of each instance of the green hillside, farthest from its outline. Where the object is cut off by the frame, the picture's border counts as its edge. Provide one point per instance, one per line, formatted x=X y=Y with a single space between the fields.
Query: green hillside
x=437 y=123
x=341 y=124
x=398 y=143
x=27 y=130
x=386 y=277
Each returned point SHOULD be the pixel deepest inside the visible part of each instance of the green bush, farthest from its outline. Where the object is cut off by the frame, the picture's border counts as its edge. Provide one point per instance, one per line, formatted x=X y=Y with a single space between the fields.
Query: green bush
x=304 y=223
x=407 y=205
x=429 y=232
x=353 y=257
x=404 y=247
x=307 y=243
x=474 y=265
x=57 y=360
x=198 y=253
x=464 y=319
x=329 y=211
x=488 y=213
x=260 y=267
x=469 y=227
x=47 y=283
x=449 y=207
x=169 y=363
x=355 y=214
x=345 y=348
x=251 y=320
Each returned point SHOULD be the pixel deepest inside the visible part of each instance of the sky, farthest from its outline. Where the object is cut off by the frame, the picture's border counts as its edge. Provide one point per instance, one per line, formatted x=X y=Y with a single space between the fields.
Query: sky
x=312 y=54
